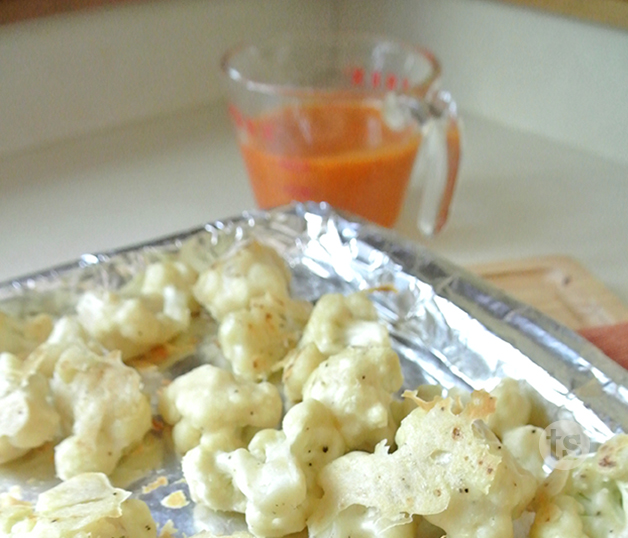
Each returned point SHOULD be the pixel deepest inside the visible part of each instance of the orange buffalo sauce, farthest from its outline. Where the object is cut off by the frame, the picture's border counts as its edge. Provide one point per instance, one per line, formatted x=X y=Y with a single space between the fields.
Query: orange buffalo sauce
x=341 y=153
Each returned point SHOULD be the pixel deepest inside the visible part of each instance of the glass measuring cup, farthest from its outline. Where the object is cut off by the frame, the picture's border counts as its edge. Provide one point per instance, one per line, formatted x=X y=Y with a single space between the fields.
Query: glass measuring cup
x=341 y=119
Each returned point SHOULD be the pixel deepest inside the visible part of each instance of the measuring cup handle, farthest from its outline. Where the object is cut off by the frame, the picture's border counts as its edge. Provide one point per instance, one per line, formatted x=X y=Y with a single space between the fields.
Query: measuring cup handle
x=443 y=152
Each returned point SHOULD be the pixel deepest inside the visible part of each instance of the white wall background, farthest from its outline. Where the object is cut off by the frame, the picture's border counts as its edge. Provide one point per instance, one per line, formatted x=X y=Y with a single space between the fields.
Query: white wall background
x=67 y=75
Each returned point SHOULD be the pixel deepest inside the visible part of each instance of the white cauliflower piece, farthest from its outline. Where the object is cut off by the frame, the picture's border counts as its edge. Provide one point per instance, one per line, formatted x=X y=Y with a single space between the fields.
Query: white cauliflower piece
x=27 y=418
x=208 y=534
x=102 y=408
x=84 y=506
x=561 y=518
x=209 y=400
x=588 y=501
x=357 y=385
x=133 y=325
x=448 y=467
x=360 y=522
x=339 y=321
x=233 y=280
x=207 y=475
x=523 y=443
x=489 y=513
x=20 y=336
x=160 y=276
x=273 y=482
x=299 y=364
x=255 y=339
x=517 y=421
x=314 y=436
x=513 y=406
x=67 y=331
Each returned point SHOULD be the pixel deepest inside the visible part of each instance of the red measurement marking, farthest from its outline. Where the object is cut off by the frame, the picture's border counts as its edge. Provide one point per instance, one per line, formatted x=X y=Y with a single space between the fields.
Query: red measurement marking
x=357 y=77
x=268 y=131
x=376 y=78
x=391 y=82
x=251 y=127
x=236 y=115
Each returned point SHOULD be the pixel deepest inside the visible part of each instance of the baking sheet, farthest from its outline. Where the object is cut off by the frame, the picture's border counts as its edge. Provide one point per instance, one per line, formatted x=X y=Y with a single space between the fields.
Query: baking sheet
x=448 y=326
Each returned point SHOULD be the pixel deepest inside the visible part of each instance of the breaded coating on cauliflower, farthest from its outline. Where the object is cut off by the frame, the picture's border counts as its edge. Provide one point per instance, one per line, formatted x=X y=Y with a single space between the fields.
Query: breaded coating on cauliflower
x=21 y=336
x=273 y=481
x=207 y=475
x=589 y=500
x=339 y=321
x=27 y=417
x=133 y=325
x=84 y=506
x=314 y=436
x=519 y=422
x=358 y=385
x=208 y=534
x=102 y=408
x=448 y=467
x=362 y=522
x=523 y=443
x=516 y=404
x=209 y=401
x=233 y=280
x=298 y=365
x=255 y=339
x=67 y=331
x=159 y=276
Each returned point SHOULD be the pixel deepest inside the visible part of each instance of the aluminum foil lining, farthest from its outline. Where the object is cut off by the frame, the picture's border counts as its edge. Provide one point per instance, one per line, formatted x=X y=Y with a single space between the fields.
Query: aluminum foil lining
x=448 y=326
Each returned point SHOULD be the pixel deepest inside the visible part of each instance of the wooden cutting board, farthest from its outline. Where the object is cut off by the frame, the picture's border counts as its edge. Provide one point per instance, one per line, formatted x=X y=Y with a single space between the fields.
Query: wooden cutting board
x=564 y=290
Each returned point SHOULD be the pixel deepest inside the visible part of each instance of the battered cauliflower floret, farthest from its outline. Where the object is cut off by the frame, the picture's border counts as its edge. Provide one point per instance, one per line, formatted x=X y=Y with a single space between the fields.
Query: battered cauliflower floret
x=27 y=418
x=314 y=436
x=358 y=385
x=133 y=325
x=208 y=476
x=208 y=534
x=448 y=467
x=209 y=400
x=523 y=443
x=102 y=408
x=489 y=513
x=590 y=500
x=255 y=339
x=233 y=280
x=21 y=336
x=84 y=506
x=299 y=365
x=273 y=481
x=518 y=421
x=160 y=276
x=67 y=331
x=515 y=406
x=559 y=519
x=360 y=522
x=339 y=321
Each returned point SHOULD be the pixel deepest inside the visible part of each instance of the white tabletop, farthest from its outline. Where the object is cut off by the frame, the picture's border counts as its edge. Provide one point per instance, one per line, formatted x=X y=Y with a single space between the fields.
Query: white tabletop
x=519 y=196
